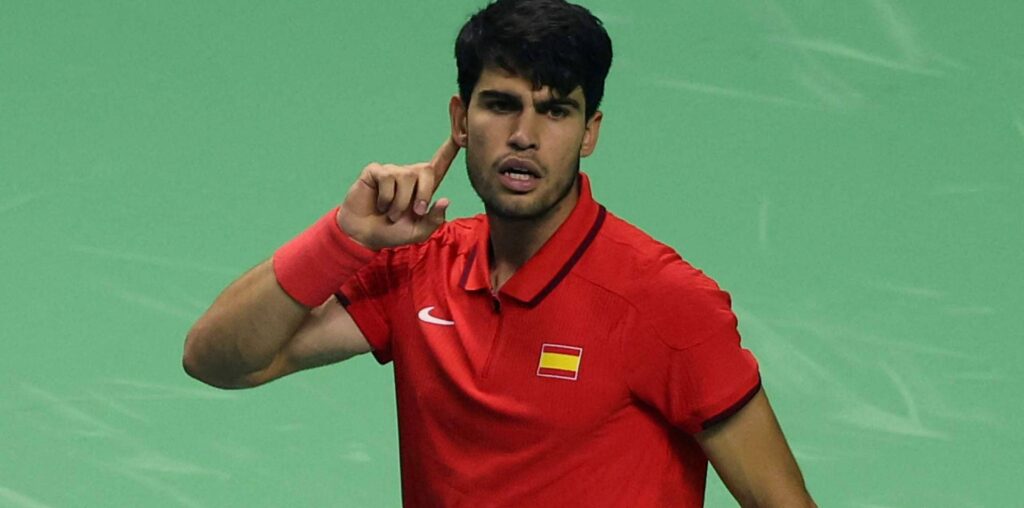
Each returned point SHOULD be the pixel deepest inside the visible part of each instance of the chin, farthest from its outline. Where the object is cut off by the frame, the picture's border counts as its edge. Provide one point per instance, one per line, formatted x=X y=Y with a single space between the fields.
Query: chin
x=516 y=211
x=524 y=207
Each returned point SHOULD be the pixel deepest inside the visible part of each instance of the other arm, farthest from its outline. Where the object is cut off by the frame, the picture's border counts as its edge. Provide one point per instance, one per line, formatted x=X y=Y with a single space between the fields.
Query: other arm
x=750 y=454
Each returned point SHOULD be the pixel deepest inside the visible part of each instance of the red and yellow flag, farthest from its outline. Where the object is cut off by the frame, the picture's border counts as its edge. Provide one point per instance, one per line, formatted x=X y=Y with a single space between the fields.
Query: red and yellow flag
x=560 y=361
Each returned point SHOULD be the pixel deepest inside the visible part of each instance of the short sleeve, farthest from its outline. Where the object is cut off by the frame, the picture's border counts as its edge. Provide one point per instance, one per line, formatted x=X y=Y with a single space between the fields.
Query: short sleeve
x=682 y=351
x=367 y=297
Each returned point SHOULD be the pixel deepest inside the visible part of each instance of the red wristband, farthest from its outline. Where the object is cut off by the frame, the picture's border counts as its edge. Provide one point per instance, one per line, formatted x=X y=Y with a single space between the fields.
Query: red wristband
x=313 y=265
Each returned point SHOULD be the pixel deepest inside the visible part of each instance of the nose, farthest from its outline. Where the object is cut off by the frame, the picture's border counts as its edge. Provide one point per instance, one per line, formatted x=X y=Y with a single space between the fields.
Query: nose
x=524 y=133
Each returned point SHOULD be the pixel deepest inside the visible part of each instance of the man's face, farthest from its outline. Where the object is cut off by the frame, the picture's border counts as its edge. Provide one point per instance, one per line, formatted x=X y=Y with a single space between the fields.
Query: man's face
x=523 y=146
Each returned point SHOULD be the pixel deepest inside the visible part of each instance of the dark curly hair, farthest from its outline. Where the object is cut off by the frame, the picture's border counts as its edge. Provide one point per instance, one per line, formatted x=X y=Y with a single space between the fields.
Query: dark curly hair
x=548 y=42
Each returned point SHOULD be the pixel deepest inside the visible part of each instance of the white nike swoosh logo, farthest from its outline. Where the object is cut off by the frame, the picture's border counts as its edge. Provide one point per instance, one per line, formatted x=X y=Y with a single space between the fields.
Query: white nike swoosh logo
x=425 y=316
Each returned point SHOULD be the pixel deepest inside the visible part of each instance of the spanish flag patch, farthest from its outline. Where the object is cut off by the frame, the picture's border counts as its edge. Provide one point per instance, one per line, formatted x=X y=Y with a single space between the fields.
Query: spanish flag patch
x=558 y=361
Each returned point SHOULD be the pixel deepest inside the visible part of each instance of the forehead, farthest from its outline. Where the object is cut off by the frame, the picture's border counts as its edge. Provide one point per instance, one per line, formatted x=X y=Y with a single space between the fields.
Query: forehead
x=498 y=79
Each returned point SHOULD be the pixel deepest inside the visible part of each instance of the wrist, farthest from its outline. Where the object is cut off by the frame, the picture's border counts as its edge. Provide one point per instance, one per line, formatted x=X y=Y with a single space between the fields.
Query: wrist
x=353 y=235
x=315 y=264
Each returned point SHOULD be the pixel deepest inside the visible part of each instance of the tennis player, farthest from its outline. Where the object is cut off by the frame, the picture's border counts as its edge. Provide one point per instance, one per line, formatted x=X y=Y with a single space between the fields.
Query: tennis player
x=546 y=353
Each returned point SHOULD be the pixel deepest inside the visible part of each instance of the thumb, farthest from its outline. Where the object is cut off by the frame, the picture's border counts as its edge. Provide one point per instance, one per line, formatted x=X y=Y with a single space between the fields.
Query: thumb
x=436 y=214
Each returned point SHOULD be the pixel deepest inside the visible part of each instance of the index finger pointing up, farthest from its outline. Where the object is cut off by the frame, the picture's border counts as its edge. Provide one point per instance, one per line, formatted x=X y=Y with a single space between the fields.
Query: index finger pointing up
x=443 y=159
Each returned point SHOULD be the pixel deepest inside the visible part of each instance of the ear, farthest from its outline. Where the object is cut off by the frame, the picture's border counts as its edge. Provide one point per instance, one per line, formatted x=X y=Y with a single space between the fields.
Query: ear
x=590 y=134
x=457 y=111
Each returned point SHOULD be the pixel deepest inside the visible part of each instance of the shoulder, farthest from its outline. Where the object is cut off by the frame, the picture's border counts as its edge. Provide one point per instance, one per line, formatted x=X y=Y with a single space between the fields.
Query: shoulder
x=454 y=238
x=461 y=233
x=636 y=265
x=666 y=293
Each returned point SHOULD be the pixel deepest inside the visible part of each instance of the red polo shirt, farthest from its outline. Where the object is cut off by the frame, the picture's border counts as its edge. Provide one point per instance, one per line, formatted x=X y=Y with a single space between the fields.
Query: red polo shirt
x=579 y=383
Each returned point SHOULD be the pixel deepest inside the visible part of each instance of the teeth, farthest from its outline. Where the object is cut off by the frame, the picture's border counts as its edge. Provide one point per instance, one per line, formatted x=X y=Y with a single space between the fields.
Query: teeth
x=519 y=176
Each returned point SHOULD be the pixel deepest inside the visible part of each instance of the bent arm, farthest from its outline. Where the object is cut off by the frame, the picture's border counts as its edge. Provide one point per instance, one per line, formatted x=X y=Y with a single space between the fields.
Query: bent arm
x=254 y=332
x=750 y=454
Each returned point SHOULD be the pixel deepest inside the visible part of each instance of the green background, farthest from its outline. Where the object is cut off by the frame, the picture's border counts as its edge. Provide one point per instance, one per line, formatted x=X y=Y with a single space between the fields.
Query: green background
x=850 y=171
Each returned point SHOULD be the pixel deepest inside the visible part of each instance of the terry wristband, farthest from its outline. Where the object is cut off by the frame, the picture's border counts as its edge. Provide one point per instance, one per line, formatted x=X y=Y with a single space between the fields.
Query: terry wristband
x=313 y=265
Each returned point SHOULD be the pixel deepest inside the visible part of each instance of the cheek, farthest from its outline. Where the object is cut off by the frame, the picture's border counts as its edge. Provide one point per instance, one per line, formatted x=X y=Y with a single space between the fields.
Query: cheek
x=570 y=147
x=481 y=129
x=476 y=148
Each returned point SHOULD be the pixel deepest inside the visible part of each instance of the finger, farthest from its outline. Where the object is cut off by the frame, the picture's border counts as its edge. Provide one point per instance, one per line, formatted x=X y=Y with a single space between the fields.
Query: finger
x=362 y=194
x=405 y=182
x=424 y=191
x=436 y=214
x=385 y=191
x=443 y=159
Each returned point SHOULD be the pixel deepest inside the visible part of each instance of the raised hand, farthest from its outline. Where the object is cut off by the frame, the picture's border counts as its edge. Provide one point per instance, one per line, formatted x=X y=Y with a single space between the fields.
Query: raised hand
x=389 y=205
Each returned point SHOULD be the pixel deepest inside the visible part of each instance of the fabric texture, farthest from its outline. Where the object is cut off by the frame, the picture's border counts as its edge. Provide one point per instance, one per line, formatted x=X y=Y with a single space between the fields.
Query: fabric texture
x=311 y=266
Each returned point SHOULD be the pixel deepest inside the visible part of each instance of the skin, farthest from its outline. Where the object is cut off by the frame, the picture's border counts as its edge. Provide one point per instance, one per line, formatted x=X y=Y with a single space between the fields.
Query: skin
x=506 y=117
x=751 y=456
x=254 y=332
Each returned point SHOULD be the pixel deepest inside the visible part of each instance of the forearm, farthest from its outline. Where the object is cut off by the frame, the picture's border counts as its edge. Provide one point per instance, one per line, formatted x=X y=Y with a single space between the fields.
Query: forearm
x=256 y=316
x=243 y=330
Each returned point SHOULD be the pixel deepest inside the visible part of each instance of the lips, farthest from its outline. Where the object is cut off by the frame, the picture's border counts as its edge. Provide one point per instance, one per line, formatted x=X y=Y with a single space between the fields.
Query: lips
x=521 y=166
x=519 y=175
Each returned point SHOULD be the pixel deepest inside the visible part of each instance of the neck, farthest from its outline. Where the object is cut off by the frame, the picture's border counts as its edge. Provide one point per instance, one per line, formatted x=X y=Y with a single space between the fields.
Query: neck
x=515 y=241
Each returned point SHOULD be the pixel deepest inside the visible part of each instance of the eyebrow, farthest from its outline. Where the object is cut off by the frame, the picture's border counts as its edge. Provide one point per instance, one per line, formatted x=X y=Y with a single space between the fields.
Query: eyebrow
x=500 y=95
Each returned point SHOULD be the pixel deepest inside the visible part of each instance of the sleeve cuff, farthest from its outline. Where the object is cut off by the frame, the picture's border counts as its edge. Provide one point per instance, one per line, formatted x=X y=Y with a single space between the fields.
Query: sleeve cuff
x=732 y=409
x=373 y=328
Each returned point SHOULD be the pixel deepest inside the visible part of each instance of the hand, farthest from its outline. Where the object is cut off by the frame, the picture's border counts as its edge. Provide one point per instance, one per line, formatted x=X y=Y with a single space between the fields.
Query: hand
x=388 y=205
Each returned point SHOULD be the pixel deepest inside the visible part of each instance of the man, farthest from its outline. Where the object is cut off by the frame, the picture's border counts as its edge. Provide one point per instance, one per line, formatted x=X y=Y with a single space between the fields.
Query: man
x=546 y=353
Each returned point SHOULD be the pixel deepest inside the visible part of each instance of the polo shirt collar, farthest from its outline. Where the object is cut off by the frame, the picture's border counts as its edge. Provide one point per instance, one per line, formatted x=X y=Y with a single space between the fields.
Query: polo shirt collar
x=546 y=269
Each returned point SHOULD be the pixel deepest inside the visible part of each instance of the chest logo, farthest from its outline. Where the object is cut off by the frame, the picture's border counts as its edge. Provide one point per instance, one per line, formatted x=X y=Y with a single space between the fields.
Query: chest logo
x=558 y=361
x=426 y=317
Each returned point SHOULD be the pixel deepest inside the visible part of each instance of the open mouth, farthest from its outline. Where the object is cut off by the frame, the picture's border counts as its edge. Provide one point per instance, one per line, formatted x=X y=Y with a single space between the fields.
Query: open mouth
x=519 y=169
x=519 y=176
x=516 y=173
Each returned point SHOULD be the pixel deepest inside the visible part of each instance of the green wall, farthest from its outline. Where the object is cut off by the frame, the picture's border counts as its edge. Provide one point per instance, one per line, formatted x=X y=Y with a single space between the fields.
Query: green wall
x=850 y=171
